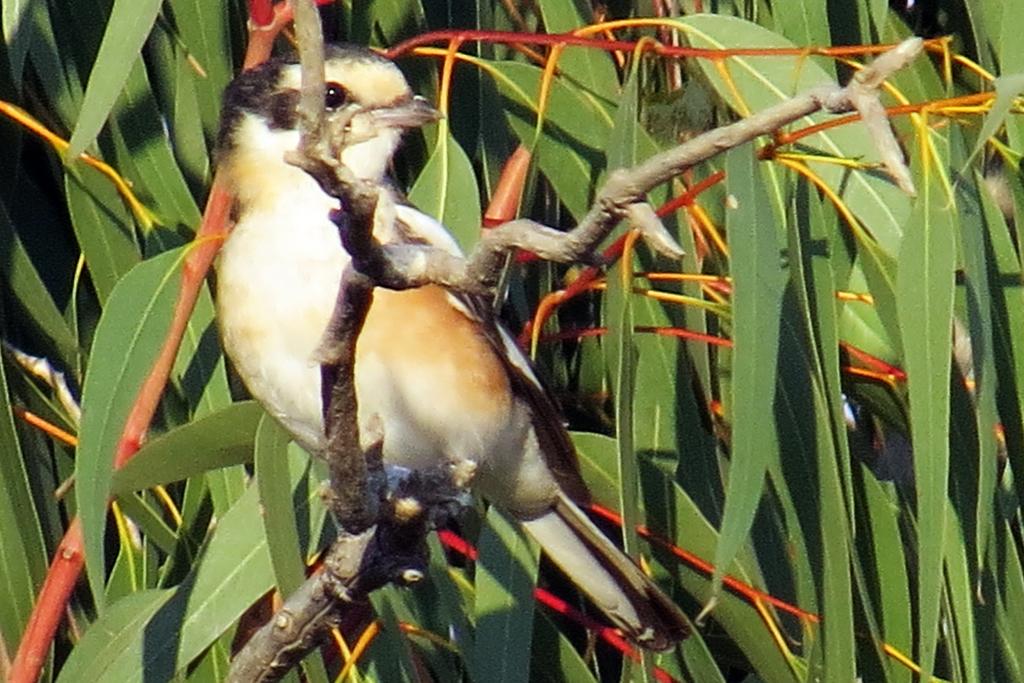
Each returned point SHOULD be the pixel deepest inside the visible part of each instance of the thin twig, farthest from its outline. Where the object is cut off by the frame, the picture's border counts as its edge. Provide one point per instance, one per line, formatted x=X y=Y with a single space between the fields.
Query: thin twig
x=383 y=528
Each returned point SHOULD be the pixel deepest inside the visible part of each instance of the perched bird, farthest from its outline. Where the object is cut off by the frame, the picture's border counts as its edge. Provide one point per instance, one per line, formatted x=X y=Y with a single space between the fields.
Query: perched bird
x=435 y=373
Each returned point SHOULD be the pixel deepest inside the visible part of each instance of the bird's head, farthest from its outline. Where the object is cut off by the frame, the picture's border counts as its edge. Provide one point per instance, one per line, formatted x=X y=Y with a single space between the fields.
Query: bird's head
x=260 y=120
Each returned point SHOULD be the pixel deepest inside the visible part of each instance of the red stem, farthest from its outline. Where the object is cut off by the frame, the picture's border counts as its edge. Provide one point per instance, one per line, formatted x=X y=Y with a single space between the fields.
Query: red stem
x=68 y=561
x=515 y=37
x=608 y=634
x=261 y=12
x=49 y=609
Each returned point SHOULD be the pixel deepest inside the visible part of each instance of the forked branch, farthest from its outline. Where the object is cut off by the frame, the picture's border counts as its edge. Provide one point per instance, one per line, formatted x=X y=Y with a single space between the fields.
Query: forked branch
x=382 y=528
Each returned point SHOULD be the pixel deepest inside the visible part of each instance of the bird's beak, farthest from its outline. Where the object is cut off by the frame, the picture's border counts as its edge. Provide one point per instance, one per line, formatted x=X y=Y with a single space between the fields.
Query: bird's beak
x=416 y=113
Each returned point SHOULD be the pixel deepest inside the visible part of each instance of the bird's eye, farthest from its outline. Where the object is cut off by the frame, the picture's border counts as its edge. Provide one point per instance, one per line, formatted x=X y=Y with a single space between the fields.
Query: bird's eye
x=335 y=96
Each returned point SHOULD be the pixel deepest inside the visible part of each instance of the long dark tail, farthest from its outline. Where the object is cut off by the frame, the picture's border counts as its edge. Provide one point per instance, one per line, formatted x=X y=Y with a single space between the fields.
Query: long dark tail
x=608 y=577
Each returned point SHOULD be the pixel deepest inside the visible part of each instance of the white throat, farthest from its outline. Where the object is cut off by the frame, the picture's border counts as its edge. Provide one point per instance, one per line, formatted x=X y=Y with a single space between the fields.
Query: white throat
x=262 y=179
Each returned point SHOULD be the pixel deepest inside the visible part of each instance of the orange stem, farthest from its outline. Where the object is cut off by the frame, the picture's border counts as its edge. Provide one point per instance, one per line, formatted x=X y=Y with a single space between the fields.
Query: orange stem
x=572 y=38
x=509 y=190
x=745 y=589
x=54 y=594
x=68 y=561
x=45 y=426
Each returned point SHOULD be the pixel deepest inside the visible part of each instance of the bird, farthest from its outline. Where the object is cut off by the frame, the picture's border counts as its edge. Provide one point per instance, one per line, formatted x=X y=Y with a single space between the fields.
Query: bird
x=436 y=373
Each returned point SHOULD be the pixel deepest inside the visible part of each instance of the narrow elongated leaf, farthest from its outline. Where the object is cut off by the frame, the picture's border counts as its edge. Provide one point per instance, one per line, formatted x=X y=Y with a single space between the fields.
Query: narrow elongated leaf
x=591 y=69
x=554 y=657
x=23 y=560
x=1007 y=89
x=446 y=189
x=129 y=24
x=569 y=151
x=881 y=551
x=672 y=511
x=805 y=22
x=624 y=384
x=829 y=538
x=174 y=87
x=623 y=363
x=143 y=152
x=758 y=82
x=17 y=30
x=275 y=488
x=983 y=364
x=104 y=229
x=221 y=439
x=176 y=627
x=127 y=340
x=108 y=639
x=392 y=657
x=1005 y=273
x=506 y=573
x=24 y=282
x=206 y=31
x=49 y=56
x=961 y=600
x=1010 y=599
x=757 y=299
x=925 y=305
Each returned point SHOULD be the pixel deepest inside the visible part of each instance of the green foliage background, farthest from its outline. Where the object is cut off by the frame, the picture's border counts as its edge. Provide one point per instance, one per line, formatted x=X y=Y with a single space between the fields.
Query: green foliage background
x=778 y=491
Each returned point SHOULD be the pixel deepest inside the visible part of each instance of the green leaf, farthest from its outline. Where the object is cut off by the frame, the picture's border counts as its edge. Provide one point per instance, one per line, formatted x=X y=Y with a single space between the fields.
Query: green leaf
x=1010 y=600
x=805 y=22
x=446 y=189
x=961 y=601
x=879 y=271
x=207 y=33
x=554 y=658
x=591 y=69
x=128 y=338
x=33 y=300
x=391 y=658
x=569 y=149
x=885 y=582
x=1008 y=87
x=275 y=486
x=1007 y=302
x=108 y=639
x=232 y=572
x=17 y=34
x=54 y=59
x=762 y=81
x=757 y=296
x=129 y=24
x=979 y=319
x=673 y=514
x=174 y=88
x=23 y=560
x=621 y=364
x=221 y=439
x=826 y=521
x=103 y=226
x=925 y=305
x=143 y=153
x=506 y=572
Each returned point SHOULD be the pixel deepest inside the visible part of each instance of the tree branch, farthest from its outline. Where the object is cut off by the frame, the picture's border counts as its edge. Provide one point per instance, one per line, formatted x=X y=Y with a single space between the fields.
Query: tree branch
x=383 y=523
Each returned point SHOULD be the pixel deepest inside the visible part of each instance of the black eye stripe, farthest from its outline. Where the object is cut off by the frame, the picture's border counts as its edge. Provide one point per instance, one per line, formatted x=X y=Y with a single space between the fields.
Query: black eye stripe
x=281 y=110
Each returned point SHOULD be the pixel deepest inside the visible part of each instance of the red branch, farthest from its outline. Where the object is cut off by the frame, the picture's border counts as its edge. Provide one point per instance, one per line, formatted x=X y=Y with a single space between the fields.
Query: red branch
x=68 y=561
x=514 y=37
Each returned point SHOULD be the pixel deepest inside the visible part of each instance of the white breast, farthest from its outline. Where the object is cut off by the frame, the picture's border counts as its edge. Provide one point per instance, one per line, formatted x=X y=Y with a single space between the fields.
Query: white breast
x=424 y=378
x=277 y=281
